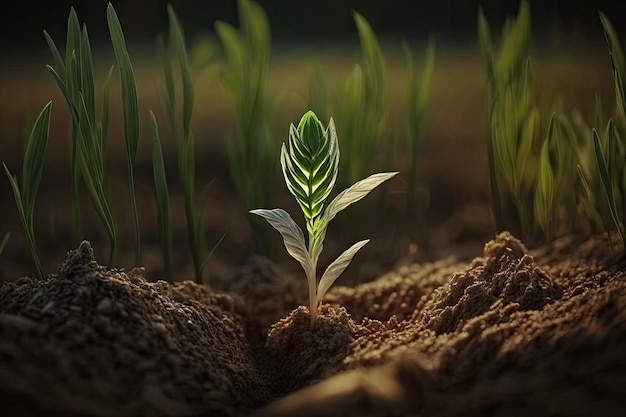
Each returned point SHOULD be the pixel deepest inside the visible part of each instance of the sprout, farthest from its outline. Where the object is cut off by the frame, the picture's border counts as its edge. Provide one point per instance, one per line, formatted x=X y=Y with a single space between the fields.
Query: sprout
x=310 y=163
x=32 y=170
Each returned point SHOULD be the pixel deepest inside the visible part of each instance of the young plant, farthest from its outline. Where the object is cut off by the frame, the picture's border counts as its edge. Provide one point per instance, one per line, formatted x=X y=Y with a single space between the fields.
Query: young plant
x=244 y=75
x=130 y=113
x=612 y=167
x=185 y=145
x=32 y=169
x=185 y=142
x=417 y=102
x=162 y=201
x=75 y=79
x=64 y=72
x=512 y=118
x=544 y=191
x=607 y=177
x=363 y=107
x=310 y=163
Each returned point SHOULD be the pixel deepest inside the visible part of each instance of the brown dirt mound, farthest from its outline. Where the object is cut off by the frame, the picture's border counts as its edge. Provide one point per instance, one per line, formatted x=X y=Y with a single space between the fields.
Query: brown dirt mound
x=507 y=274
x=99 y=342
x=501 y=338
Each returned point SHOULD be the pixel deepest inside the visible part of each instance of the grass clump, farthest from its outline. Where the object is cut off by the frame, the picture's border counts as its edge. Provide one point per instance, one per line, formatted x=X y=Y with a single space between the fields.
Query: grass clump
x=610 y=154
x=310 y=163
x=590 y=163
x=512 y=119
x=251 y=151
x=88 y=133
x=175 y=60
x=26 y=193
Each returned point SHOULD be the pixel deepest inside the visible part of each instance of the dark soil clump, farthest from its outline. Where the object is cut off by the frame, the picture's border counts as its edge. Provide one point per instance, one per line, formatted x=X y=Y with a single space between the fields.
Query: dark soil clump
x=98 y=342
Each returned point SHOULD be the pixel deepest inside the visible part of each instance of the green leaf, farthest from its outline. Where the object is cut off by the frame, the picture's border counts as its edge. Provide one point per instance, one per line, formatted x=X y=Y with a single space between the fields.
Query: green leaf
x=336 y=268
x=291 y=233
x=85 y=65
x=130 y=113
x=607 y=180
x=66 y=93
x=545 y=185
x=130 y=102
x=106 y=88
x=32 y=169
x=310 y=163
x=162 y=200
x=3 y=242
x=34 y=158
x=355 y=193
x=177 y=40
x=59 y=64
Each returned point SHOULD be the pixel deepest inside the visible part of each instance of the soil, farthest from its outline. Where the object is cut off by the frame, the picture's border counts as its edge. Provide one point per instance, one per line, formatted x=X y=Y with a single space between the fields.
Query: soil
x=512 y=333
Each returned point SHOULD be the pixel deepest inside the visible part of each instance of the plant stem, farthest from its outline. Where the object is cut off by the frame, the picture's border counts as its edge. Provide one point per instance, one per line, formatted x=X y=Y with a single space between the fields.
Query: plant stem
x=134 y=214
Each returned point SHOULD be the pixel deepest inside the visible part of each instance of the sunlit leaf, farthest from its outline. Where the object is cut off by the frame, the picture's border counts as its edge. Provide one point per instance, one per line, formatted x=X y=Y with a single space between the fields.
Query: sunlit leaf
x=336 y=268
x=291 y=233
x=355 y=193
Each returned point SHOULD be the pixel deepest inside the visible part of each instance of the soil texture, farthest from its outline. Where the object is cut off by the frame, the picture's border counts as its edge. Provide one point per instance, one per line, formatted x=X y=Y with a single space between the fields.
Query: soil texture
x=512 y=333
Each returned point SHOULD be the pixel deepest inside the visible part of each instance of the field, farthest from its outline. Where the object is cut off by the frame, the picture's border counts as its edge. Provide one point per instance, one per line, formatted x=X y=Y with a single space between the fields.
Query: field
x=452 y=159
x=438 y=315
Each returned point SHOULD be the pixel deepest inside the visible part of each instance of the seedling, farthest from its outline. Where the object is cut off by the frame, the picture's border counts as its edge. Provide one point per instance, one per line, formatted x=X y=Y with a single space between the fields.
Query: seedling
x=363 y=106
x=512 y=117
x=75 y=78
x=32 y=170
x=130 y=113
x=185 y=149
x=612 y=167
x=162 y=195
x=418 y=95
x=244 y=72
x=310 y=163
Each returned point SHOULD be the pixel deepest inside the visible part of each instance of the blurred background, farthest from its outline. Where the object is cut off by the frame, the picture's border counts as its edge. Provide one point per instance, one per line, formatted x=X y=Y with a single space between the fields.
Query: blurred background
x=569 y=56
x=295 y=21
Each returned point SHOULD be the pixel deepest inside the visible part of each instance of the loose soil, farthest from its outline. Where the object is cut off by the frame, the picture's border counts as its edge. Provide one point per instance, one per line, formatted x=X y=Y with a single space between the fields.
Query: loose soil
x=512 y=333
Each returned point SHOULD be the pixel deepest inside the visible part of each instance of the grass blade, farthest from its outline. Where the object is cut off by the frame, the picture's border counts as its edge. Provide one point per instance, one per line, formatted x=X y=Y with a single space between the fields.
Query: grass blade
x=3 y=242
x=32 y=169
x=162 y=201
x=607 y=180
x=130 y=114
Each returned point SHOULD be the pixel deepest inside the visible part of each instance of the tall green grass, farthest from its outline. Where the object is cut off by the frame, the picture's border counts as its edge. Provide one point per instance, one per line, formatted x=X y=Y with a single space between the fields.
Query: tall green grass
x=253 y=148
x=89 y=133
x=32 y=170
x=417 y=103
x=162 y=195
x=611 y=161
x=65 y=71
x=574 y=178
x=512 y=119
x=362 y=107
x=175 y=62
x=130 y=114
